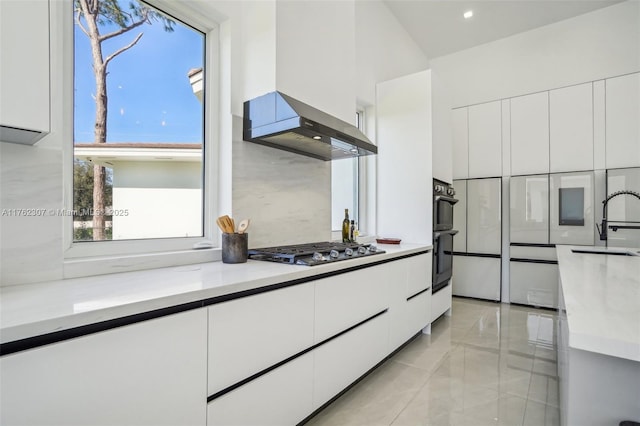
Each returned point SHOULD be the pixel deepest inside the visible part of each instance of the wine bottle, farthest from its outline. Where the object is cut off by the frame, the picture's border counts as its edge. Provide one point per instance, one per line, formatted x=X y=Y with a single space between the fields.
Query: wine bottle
x=352 y=236
x=345 y=227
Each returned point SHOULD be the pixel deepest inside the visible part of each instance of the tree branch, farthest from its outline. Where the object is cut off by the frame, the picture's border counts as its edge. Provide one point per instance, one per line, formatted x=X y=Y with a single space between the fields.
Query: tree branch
x=121 y=30
x=93 y=8
x=122 y=49
x=79 y=23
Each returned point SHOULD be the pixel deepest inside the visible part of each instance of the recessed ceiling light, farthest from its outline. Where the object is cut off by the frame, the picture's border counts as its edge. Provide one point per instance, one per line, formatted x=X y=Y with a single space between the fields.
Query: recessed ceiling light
x=468 y=14
x=317 y=137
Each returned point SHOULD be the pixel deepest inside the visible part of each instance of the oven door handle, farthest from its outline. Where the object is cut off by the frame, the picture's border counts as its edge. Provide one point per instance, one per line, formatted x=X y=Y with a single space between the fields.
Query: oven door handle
x=451 y=232
x=445 y=198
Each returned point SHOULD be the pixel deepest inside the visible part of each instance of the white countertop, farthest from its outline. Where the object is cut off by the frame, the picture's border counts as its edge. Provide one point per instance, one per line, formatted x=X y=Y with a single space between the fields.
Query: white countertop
x=602 y=300
x=36 y=309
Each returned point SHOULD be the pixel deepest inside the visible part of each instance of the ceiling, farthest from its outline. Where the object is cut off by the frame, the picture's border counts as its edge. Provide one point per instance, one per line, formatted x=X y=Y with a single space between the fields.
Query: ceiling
x=439 y=28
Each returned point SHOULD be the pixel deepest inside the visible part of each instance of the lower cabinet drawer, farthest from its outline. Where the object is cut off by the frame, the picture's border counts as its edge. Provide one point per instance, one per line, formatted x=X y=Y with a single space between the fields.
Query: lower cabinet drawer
x=533 y=284
x=280 y=397
x=440 y=302
x=418 y=313
x=344 y=300
x=339 y=362
x=250 y=334
x=477 y=277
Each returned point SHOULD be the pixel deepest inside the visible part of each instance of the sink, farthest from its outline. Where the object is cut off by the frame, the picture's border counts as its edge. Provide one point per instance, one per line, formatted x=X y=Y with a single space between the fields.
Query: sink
x=608 y=252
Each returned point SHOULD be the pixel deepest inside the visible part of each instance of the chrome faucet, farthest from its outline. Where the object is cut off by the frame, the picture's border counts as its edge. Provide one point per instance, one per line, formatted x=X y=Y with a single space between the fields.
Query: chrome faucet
x=602 y=230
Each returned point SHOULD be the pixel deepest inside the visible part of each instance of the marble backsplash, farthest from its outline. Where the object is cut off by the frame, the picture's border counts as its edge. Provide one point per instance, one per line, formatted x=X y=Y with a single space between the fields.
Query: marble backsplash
x=30 y=242
x=287 y=196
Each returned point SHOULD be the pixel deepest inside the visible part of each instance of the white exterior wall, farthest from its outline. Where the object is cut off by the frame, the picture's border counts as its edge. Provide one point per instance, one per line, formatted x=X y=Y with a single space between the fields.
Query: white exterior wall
x=140 y=194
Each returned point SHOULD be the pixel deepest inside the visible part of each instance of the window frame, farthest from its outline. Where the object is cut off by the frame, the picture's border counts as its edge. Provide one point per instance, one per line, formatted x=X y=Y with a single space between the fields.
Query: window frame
x=82 y=258
x=362 y=185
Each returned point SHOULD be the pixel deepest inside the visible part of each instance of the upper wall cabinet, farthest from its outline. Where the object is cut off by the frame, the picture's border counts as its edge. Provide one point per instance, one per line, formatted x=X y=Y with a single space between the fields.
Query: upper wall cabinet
x=530 y=134
x=623 y=121
x=460 y=143
x=485 y=140
x=24 y=71
x=571 y=128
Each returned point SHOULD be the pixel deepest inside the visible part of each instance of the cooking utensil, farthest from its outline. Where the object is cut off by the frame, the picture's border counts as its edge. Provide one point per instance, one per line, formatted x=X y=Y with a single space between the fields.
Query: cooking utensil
x=231 y=224
x=221 y=224
x=242 y=227
x=225 y=223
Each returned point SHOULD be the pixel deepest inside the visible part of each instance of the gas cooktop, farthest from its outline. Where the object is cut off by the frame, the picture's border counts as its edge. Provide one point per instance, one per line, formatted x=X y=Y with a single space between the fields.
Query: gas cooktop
x=312 y=254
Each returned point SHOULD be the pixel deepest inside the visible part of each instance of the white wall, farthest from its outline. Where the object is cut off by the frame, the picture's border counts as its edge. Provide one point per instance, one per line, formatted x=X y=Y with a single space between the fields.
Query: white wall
x=404 y=181
x=384 y=50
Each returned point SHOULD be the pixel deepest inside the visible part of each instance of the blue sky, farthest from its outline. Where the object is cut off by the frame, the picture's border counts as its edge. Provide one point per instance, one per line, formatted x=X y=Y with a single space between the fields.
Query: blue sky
x=150 y=98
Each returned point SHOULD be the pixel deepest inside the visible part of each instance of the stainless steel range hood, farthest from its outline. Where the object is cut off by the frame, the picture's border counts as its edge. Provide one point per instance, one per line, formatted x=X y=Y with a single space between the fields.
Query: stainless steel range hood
x=281 y=122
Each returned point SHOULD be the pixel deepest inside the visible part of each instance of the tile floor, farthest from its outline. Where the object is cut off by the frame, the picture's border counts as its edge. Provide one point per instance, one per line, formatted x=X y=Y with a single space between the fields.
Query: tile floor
x=487 y=364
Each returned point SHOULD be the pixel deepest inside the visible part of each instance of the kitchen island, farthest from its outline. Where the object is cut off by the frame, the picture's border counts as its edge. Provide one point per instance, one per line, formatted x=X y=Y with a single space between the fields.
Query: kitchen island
x=599 y=335
x=198 y=344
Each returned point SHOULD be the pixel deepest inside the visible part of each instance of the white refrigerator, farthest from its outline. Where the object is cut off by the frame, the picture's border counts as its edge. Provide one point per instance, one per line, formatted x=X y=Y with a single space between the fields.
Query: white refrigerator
x=477 y=247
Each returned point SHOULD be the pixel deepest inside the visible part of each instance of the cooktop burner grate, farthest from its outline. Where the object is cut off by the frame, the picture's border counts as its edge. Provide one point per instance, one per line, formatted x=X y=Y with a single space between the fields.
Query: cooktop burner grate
x=311 y=254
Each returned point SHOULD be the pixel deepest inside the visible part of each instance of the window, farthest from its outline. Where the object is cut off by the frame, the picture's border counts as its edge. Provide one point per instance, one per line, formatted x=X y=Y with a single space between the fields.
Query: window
x=138 y=123
x=345 y=185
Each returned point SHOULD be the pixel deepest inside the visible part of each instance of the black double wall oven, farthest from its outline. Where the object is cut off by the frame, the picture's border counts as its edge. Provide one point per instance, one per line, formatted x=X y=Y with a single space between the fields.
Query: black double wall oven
x=443 y=232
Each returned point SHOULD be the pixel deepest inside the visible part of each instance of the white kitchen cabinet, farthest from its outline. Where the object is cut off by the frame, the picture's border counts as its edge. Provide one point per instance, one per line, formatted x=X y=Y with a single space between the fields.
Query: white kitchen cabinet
x=418 y=313
x=533 y=283
x=485 y=140
x=477 y=277
x=404 y=166
x=460 y=134
x=344 y=300
x=599 y=126
x=409 y=298
x=280 y=397
x=460 y=216
x=149 y=373
x=571 y=128
x=344 y=359
x=571 y=207
x=252 y=333
x=529 y=209
x=623 y=121
x=530 y=134
x=506 y=137
x=418 y=270
x=533 y=275
x=484 y=226
x=24 y=70
x=441 y=302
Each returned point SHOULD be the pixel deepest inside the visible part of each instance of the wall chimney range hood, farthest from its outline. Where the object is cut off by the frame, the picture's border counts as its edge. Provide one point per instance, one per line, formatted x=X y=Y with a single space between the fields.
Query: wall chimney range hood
x=281 y=122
